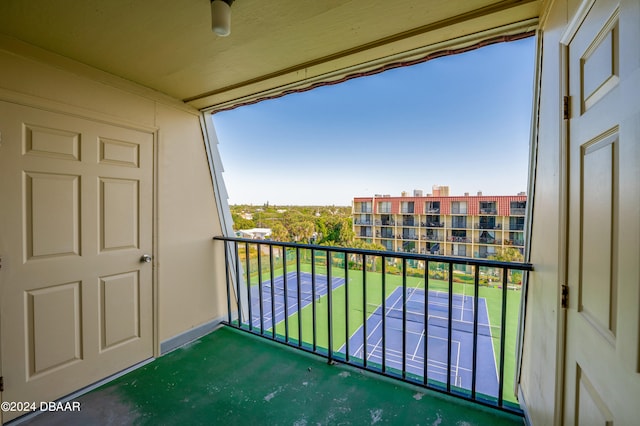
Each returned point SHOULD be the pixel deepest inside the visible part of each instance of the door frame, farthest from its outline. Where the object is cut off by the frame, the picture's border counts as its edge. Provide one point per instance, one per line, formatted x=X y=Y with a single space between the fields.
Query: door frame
x=563 y=235
x=47 y=105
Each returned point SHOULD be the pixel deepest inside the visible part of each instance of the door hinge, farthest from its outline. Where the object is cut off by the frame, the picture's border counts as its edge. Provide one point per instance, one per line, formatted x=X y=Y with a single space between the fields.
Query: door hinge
x=565 y=107
x=565 y=297
x=1 y=384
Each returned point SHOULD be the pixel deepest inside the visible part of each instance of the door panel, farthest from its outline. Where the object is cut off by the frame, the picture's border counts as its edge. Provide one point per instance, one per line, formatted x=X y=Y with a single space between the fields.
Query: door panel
x=602 y=384
x=76 y=300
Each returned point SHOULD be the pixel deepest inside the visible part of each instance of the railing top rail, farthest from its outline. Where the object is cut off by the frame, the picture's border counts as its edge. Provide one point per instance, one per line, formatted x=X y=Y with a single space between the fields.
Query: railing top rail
x=521 y=266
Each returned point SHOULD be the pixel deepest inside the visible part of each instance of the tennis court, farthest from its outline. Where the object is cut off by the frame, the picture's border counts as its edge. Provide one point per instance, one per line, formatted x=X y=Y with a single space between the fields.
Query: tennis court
x=437 y=310
x=290 y=281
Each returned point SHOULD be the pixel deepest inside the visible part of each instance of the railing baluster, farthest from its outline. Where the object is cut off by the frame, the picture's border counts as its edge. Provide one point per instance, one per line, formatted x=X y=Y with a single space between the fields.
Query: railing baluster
x=239 y=291
x=273 y=294
x=364 y=309
x=298 y=279
x=313 y=296
x=260 y=288
x=329 y=308
x=346 y=306
x=404 y=318
x=384 y=314
x=503 y=330
x=286 y=295
x=476 y=296
x=425 y=357
x=249 y=298
x=226 y=275
x=449 y=327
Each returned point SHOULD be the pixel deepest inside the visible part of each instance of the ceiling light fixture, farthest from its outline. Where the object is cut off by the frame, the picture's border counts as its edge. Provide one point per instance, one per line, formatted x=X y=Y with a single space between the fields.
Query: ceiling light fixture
x=221 y=17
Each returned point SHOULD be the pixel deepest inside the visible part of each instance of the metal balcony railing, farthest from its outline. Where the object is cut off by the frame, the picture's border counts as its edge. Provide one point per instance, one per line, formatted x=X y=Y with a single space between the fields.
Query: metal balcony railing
x=433 y=224
x=385 y=223
x=458 y=225
x=488 y=226
x=412 y=317
x=489 y=210
x=517 y=211
x=486 y=240
x=516 y=227
x=455 y=239
x=362 y=222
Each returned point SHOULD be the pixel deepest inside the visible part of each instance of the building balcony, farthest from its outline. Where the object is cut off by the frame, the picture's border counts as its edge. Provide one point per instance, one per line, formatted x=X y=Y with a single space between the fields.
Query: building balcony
x=484 y=240
x=433 y=210
x=454 y=239
x=488 y=226
x=517 y=211
x=433 y=237
x=458 y=225
x=516 y=227
x=230 y=377
x=346 y=305
x=385 y=223
x=433 y=224
x=517 y=243
x=489 y=211
x=435 y=252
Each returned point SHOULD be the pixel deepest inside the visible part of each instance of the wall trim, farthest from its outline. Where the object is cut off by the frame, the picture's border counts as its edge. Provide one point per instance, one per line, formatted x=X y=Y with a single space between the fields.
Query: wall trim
x=188 y=336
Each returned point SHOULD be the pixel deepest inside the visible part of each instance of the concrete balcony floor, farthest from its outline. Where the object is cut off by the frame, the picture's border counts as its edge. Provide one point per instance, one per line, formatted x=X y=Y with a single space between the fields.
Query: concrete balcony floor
x=231 y=378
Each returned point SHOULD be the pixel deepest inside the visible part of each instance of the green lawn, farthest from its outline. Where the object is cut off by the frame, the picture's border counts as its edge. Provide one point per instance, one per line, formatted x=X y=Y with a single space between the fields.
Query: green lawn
x=493 y=297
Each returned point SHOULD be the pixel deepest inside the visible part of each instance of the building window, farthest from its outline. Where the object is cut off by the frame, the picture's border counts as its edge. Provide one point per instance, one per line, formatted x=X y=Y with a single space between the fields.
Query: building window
x=384 y=207
x=516 y=223
x=458 y=207
x=459 y=222
x=407 y=207
x=432 y=207
x=459 y=250
x=363 y=207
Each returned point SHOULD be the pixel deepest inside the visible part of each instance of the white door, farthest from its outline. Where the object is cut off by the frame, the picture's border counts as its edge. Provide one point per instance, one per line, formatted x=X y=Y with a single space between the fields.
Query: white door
x=602 y=359
x=75 y=221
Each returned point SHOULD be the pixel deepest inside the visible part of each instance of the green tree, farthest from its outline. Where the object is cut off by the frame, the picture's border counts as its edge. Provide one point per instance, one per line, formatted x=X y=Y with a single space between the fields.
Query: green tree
x=279 y=232
x=241 y=223
x=507 y=254
x=302 y=230
x=510 y=254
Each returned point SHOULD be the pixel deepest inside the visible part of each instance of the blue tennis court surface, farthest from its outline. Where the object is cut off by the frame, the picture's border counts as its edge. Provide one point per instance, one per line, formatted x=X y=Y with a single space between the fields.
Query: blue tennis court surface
x=436 y=339
x=291 y=281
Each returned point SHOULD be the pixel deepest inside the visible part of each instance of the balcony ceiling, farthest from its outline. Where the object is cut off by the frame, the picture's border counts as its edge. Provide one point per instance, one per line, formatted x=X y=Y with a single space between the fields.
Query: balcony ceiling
x=274 y=45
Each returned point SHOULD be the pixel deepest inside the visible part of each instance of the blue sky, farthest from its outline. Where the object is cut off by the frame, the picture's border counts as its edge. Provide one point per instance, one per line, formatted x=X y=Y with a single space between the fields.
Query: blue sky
x=461 y=120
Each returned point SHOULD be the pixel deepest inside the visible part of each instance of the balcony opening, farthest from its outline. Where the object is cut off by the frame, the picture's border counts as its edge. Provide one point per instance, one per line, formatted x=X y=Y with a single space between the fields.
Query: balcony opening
x=423 y=271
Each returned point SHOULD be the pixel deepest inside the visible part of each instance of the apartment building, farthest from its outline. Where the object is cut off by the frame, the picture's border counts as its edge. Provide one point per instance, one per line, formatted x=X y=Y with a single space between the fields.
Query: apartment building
x=469 y=225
